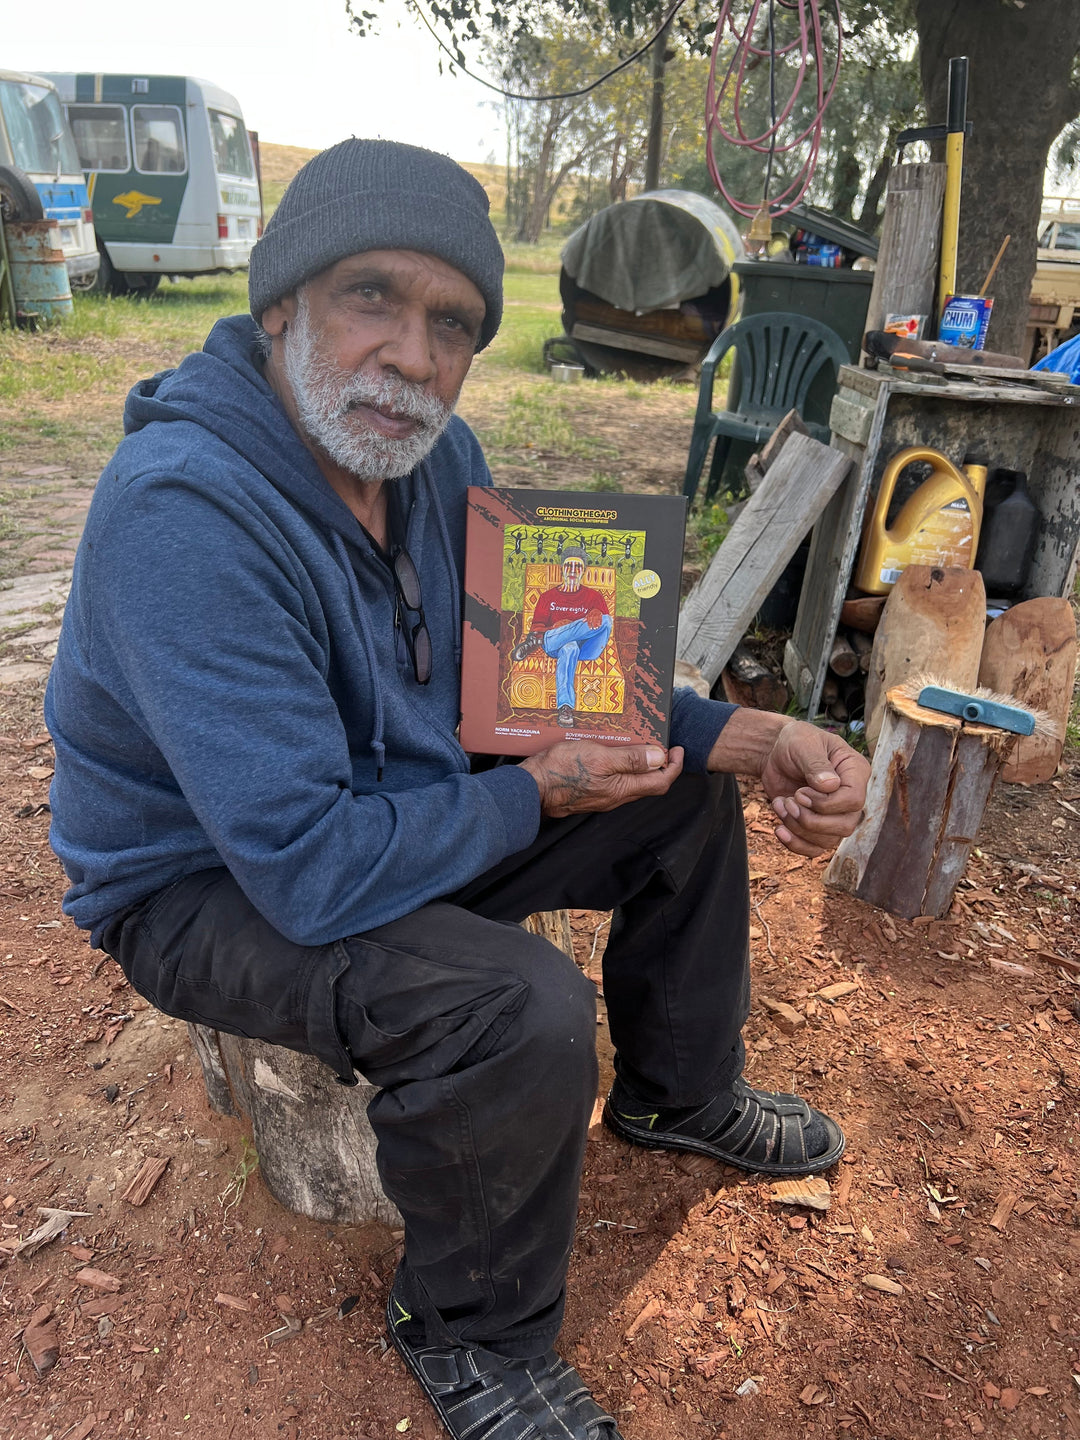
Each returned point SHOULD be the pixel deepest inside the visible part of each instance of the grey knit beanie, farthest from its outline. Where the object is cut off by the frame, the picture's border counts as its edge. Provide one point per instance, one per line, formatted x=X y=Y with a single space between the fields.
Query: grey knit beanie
x=378 y=195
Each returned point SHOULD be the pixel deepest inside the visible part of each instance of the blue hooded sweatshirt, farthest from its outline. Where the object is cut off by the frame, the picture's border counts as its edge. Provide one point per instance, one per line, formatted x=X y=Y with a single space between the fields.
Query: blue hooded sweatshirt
x=230 y=687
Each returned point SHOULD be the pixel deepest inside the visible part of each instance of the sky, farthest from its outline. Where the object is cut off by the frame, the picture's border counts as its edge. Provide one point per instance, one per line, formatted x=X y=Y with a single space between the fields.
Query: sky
x=302 y=77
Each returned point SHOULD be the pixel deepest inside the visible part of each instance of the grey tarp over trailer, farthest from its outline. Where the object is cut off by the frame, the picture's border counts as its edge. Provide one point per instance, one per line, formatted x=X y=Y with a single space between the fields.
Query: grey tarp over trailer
x=647 y=284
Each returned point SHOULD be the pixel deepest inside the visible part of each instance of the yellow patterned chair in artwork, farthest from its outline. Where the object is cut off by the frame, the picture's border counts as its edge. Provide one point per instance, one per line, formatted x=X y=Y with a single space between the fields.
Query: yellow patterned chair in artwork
x=601 y=685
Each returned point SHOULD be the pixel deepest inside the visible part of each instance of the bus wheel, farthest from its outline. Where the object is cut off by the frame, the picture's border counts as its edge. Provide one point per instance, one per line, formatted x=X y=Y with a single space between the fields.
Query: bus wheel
x=19 y=200
x=110 y=281
x=103 y=280
x=142 y=283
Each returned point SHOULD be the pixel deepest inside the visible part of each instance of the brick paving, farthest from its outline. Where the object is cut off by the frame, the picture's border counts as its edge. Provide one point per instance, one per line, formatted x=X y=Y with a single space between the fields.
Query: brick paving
x=42 y=512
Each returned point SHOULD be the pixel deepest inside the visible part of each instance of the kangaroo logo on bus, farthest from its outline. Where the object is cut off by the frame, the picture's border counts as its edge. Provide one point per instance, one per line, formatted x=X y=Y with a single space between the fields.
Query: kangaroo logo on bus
x=135 y=200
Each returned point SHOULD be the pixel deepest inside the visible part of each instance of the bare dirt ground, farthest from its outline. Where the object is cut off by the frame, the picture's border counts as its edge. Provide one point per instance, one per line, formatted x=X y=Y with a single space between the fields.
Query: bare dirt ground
x=936 y=1296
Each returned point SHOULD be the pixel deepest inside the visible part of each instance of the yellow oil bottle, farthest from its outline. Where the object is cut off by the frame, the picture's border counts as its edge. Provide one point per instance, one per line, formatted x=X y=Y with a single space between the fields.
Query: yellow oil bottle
x=937 y=525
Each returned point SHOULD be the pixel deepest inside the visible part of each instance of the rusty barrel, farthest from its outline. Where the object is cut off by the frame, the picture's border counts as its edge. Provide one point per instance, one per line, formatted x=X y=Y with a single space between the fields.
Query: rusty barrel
x=39 y=275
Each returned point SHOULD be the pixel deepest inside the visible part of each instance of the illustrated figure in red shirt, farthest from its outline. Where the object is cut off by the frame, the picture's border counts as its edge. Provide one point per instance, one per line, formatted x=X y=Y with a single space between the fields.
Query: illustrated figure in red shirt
x=572 y=623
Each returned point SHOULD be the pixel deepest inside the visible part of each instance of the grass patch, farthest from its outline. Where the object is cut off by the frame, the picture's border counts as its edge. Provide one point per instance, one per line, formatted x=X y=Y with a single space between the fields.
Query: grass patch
x=63 y=389
x=538 y=421
x=542 y=258
x=532 y=313
x=706 y=527
x=236 y=1187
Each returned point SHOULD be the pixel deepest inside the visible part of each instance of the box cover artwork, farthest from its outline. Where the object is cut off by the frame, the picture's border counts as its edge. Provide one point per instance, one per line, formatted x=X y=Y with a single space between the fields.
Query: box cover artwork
x=571 y=610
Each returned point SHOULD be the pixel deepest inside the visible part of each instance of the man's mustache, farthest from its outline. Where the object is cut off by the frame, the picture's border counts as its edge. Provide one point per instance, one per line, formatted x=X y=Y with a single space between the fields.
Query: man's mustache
x=399 y=397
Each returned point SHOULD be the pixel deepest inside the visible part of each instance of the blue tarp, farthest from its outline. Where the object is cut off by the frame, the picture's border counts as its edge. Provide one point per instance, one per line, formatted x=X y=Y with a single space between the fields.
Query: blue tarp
x=1065 y=360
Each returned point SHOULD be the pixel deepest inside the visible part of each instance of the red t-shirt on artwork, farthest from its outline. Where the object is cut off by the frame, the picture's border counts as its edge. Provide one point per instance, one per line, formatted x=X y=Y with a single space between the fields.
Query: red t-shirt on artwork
x=559 y=607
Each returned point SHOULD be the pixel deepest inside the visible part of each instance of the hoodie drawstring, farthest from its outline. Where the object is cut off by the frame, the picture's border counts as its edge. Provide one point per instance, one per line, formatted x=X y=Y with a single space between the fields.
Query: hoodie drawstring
x=448 y=556
x=378 y=748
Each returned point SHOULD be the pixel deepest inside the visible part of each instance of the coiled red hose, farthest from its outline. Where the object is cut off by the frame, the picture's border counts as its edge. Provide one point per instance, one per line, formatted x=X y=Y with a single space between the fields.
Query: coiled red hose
x=810 y=46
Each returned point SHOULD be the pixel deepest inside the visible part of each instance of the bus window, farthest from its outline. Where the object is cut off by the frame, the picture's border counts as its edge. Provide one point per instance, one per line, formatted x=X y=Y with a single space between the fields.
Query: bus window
x=100 y=133
x=159 y=139
x=232 y=151
x=40 y=139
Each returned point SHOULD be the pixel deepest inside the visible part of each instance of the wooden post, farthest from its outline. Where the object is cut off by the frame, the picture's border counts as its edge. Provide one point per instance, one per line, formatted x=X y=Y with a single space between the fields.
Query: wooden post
x=931 y=778
x=316 y=1148
x=907 y=263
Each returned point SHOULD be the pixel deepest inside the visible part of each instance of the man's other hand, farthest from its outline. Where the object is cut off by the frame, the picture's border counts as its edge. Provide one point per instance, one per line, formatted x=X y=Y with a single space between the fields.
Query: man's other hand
x=587 y=776
x=817 y=786
x=593 y=618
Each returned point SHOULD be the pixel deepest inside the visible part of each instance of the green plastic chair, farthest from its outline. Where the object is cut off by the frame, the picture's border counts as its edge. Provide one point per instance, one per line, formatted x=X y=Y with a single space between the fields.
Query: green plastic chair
x=778 y=356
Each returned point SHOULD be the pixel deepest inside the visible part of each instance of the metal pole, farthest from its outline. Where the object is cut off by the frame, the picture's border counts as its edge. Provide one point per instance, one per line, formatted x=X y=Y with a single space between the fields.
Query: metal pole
x=954 y=172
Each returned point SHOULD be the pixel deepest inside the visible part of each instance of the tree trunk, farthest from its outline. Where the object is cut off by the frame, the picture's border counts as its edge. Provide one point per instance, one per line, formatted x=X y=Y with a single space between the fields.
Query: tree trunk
x=1020 y=95
x=870 y=214
x=658 y=60
x=847 y=183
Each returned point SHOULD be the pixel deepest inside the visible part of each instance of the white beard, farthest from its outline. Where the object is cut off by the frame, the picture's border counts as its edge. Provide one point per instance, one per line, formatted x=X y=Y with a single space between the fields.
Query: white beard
x=325 y=395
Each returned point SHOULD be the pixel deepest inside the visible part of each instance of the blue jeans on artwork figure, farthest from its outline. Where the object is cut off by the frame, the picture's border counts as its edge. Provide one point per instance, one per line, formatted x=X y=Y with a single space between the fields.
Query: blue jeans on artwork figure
x=567 y=644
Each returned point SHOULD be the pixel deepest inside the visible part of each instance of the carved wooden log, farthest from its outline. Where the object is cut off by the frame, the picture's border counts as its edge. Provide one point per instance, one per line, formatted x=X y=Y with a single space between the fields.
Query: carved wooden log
x=931 y=778
x=934 y=621
x=316 y=1148
x=1029 y=654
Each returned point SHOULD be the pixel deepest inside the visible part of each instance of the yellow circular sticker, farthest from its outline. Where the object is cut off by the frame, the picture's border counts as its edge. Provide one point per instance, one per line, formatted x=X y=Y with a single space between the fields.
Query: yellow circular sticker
x=646 y=584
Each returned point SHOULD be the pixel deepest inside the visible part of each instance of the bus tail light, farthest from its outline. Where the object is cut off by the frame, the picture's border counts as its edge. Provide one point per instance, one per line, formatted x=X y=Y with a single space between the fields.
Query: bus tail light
x=222 y=227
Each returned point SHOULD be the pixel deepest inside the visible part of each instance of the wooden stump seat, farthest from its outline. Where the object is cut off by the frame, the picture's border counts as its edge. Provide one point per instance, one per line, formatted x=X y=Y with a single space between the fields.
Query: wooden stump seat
x=316 y=1148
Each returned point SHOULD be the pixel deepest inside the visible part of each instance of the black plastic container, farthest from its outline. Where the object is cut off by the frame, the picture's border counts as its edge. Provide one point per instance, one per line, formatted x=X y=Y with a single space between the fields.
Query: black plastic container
x=1009 y=530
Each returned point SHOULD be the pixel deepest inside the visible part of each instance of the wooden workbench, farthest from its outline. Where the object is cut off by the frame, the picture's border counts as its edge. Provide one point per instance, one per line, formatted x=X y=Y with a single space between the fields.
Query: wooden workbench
x=1018 y=420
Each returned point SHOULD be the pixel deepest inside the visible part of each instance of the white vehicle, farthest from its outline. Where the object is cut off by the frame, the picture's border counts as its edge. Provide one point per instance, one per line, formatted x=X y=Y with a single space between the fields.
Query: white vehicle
x=40 y=174
x=1054 y=311
x=171 y=172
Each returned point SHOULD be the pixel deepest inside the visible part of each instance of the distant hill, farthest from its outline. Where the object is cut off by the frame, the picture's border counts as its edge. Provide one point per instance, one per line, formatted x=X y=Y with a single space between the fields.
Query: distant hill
x=281 y=162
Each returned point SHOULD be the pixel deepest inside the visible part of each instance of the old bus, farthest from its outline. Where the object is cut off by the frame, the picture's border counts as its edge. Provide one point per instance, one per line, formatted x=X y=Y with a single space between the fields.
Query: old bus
x=40 y=174
x=171 y=172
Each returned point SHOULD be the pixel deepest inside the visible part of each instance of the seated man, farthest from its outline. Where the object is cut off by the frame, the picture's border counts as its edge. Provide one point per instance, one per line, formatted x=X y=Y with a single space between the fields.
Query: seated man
x=268 y=821
x=572 y=623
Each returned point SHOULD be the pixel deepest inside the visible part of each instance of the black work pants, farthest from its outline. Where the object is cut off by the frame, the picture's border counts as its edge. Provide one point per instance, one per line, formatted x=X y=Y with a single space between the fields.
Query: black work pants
x=482 y=1037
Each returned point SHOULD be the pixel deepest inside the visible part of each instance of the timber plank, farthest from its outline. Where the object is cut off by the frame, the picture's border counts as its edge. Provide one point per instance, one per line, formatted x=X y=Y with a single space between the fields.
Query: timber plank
x=832 y=555
x=647 y=344
x=795 y=491
x=907 y=264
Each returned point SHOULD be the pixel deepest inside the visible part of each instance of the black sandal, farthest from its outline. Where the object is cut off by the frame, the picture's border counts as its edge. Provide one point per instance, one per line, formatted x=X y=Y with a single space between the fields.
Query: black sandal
x=487 y=1397
x=755 y=1130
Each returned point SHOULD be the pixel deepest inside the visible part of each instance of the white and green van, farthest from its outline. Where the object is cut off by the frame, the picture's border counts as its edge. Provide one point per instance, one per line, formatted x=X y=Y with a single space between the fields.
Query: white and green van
x=171 y=173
